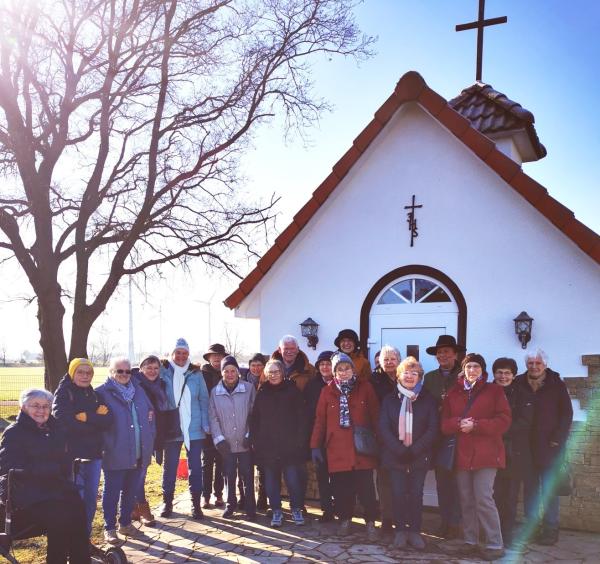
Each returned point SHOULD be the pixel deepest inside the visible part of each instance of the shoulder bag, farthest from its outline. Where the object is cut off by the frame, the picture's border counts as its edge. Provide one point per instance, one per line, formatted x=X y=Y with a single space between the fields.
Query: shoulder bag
x=170 y=418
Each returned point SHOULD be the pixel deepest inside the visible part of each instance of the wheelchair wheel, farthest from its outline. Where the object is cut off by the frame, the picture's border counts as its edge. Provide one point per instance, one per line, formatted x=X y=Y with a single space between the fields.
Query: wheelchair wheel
x=115 y=555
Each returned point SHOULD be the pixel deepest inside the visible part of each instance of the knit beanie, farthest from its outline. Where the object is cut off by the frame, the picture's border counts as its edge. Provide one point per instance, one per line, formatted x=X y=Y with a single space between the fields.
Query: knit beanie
x=181 y=344
x=229 y=361
x=340 y=357
x=474 y=357
x=77 y=362
x=325 y=355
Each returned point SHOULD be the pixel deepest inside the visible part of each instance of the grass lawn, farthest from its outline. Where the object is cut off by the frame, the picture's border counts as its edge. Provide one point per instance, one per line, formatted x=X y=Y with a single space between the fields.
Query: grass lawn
x=33 y=551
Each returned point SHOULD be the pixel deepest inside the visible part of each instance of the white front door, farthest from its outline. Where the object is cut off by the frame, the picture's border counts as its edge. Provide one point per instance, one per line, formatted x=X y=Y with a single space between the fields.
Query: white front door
x=410 y=314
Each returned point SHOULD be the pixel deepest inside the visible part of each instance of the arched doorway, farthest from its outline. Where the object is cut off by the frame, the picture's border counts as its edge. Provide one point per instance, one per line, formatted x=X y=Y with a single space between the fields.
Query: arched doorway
x=409 y=308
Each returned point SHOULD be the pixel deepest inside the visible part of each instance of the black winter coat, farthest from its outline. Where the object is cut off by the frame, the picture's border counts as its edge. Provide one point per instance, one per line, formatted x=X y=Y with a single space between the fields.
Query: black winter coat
x=425 y=431
x=84 y=439
x=278 y=425
x=551 y=414
x=382 y=384
x=312 y=393
x=42 y=455
x=212 y=376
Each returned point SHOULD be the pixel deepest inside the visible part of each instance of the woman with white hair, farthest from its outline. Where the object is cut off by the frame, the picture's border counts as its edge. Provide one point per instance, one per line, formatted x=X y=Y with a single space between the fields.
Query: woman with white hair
x=128 y=446
x=46 y=498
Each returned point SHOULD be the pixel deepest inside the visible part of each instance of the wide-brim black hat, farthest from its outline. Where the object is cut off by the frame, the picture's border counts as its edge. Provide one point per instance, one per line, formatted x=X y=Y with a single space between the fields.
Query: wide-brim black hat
x=445 y=341
x=347 y=334
x=217 y=348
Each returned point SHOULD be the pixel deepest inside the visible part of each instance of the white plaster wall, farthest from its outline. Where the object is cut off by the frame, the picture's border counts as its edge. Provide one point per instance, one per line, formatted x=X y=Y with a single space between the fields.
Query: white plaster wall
x=500 y=251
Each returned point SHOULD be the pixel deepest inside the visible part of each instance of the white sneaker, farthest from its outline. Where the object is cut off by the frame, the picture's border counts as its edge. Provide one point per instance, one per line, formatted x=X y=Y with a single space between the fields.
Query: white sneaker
x=111 y=537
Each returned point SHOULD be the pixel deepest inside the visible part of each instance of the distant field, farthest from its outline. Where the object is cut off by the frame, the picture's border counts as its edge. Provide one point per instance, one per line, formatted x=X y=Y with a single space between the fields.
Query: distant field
x=15 y=379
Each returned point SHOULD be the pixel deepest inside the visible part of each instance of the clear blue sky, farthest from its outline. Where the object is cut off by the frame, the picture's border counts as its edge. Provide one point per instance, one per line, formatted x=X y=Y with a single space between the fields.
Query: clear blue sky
x=546 y=58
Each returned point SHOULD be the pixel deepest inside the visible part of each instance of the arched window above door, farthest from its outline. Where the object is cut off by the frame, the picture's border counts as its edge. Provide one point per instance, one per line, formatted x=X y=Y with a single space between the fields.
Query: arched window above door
x=414 y=291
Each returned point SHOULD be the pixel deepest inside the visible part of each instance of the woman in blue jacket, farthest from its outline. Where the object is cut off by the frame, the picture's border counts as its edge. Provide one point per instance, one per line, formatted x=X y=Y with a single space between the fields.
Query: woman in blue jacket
x=408 y=427
x=128 y=446
x=188 y=401
x=83 y=417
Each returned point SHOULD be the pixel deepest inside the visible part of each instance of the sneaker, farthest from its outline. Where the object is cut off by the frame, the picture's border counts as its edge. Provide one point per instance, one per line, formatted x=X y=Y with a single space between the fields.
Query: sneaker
x=219 y=502
x=228 y=513
x=277 y=518
x=400 y=539
x=344 y=528
x=415 y=540
x=297 y=516
x=111 y=537
x=491 y=554
x=372 y=533
x=128 y=530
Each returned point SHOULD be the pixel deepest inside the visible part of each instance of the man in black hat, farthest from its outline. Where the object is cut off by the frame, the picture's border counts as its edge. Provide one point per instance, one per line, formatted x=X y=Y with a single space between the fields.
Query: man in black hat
x=211 y=459
x=437 y=382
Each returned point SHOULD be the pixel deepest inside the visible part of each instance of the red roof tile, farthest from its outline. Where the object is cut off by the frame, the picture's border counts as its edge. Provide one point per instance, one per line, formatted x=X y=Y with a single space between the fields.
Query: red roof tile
x=412 y=87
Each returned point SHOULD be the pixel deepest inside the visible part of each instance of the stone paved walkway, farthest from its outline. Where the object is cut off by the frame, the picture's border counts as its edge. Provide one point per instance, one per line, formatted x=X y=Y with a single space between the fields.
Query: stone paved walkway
x=216 y=540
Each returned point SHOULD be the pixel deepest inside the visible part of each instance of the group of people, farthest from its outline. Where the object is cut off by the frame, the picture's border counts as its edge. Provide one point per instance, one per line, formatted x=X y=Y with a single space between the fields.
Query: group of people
x=372 y=436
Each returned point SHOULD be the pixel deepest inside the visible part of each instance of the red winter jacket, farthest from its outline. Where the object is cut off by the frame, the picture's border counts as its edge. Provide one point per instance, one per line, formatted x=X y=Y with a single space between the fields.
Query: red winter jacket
x=339 y=441
x=483 y=446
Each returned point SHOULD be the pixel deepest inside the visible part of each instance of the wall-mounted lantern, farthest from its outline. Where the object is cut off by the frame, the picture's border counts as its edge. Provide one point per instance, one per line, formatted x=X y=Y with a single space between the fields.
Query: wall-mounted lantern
x=523 y=324
x=310 y=328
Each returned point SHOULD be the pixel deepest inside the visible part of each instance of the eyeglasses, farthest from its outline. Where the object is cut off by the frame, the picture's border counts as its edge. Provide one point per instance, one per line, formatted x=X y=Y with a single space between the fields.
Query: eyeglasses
x=122 y=371
x=273 y=372
x=39 y=407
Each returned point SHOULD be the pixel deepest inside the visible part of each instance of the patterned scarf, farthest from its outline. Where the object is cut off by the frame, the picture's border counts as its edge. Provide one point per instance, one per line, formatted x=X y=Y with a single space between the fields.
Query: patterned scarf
x=345 y=388
x=126 y=391
x=468 y=386
x=405 y=420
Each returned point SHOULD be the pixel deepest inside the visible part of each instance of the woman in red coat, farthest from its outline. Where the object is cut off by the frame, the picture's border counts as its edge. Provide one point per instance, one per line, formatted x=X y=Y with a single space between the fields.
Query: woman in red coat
x=478 y=414
x=347 y=402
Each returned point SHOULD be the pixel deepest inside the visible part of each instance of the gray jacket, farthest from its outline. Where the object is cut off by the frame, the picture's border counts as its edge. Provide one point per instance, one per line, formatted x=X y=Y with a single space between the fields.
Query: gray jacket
x=229 y=414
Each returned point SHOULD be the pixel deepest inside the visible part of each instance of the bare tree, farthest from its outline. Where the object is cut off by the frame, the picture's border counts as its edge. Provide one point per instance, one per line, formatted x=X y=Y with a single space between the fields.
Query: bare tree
x=121 y=125
x=233 y=344
x=102 y=347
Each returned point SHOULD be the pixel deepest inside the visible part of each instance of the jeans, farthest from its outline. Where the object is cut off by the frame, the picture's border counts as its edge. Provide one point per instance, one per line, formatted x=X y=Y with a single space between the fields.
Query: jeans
x=140 y=496
x=171 y=462
x=407 y=497
x=123 y=484
x=325 y=487
x=540 y=499
x=475 y=488
x=448 y=500
x=87 y=481
x=292 y=474
x=241 y=461
x=347 y=486
x=211 y=460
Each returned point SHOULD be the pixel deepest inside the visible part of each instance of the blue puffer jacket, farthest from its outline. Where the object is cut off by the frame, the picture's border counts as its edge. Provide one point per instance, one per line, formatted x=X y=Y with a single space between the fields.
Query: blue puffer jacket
x=84 y=439
x=199 y=424
x=119 y=440
x=425 y=431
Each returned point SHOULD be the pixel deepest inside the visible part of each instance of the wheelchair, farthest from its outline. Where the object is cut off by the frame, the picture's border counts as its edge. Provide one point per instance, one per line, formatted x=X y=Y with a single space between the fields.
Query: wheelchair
x=113 y=555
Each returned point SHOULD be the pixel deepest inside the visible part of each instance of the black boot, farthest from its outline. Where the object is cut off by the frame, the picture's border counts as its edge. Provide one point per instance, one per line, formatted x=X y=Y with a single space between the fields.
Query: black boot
x=262 y=504
x=196 y=509
x=167 y=508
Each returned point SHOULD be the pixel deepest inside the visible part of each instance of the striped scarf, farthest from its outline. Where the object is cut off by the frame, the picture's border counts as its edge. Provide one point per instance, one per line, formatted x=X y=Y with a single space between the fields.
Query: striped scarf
x=405 y=420
x=345 y=388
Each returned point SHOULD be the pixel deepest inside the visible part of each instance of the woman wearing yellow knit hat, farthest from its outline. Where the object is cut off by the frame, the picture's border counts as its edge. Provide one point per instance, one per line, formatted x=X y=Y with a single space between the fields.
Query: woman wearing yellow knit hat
x=82 y=415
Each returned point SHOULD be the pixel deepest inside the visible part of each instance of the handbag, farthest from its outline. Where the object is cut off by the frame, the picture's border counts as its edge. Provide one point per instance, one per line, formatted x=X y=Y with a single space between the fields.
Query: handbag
x=445 y=455
x=365 y=442
x=170 y=420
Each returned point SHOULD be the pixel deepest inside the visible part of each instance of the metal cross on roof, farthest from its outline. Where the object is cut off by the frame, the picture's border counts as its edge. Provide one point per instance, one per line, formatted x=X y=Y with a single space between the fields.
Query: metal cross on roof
x=479 y=25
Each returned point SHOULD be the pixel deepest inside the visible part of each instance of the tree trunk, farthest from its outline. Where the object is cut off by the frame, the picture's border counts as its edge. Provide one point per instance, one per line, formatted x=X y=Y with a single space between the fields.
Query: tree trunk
x=80 y=334
x=50 y=319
